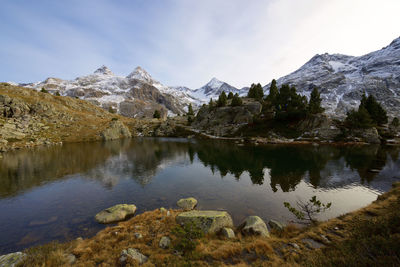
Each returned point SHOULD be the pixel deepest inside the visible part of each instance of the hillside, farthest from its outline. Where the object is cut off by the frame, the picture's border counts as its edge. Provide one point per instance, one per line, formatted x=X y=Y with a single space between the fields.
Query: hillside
x=29 y=118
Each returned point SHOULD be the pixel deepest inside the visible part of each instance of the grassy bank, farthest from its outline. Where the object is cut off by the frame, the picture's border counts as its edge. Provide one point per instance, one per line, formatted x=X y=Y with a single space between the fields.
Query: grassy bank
x=367 y=237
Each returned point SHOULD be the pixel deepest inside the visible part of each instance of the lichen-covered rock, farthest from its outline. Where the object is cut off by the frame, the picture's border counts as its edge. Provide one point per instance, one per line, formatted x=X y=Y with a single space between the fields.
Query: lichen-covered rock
x=187 y=203
x=207 y=220
x=115 y=130
x=228 y=232
x=254 y=225
x=11 y=259
x=116 y=213
x=276 y=225
x=133 y=254
x=165 y=242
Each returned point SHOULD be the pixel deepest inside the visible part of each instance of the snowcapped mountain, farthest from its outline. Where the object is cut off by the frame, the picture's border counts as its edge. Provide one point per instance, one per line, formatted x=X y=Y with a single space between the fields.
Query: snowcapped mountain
x=136 y=95
x=213 y=89
x=342 y=79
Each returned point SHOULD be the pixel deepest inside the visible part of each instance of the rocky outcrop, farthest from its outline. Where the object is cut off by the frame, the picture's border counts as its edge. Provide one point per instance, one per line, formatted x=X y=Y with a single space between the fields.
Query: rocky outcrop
x=228 y=233
x=165 y=242
x=116 y=213
x=208 y=221
x=115 y=130
x=276 y=225
x=187 y=203
x=254 y=225
x=221 y=121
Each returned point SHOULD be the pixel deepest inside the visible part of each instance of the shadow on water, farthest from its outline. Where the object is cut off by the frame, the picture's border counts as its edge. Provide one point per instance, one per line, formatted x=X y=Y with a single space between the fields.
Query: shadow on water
x=52 y=193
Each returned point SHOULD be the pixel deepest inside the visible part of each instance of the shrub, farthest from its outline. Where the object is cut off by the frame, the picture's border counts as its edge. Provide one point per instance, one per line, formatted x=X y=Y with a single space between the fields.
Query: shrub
x=157 y=114
x=307 y=211
x=57 y=93
x=395 y=122
x=112 y=110
x=43 y=90
x=187 y=237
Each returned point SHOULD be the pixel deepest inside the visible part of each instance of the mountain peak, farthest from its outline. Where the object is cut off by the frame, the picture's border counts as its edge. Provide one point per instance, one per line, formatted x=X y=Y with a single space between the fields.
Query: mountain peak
x=214 y=83
x=104 y=70
x=140 y=74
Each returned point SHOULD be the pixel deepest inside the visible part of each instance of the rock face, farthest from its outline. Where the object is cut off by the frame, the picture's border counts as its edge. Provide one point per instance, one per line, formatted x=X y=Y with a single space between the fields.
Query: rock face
x=133 y=254
x=115 y=130
x=187 y=203
x=221 y=121
x=116 y=213
x=209 y=221
x=254 y=225
x=343 y=79
x=12 y=259
x=370 y=135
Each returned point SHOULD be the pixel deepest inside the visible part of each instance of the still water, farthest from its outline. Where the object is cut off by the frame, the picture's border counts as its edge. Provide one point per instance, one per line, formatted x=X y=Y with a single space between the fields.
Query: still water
x=53 y=193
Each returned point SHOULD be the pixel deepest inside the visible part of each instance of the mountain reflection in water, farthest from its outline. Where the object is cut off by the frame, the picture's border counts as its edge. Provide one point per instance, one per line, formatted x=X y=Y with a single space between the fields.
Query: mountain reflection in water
x=52 y=193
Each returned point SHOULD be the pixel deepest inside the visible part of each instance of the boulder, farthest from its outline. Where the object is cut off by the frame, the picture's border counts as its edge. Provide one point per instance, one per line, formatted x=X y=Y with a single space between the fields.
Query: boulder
x=165 y=242
x=116 y=213
x=187 y=203
x=228 y=232
x=12 y=259
x=276 y=225
x=254 y=225
x=133 y=254
x=115 y=130
x=209 y=221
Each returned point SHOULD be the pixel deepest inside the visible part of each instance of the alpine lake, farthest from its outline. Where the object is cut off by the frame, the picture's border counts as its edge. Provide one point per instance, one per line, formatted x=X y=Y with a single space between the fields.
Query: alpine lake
x=53 y=193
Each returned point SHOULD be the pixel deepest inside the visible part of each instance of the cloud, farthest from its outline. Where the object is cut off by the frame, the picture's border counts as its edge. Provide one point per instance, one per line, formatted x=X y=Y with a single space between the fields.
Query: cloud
x=183 y=42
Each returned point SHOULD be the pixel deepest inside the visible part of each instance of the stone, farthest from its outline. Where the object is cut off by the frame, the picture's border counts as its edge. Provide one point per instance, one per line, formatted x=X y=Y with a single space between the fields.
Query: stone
x=138 y=235
x=228 y=232
x=254 y=225
x=311 y=243
x=115 y=130
x=294 y=245
x=133 y=254
x=187 y=203
x=209 y=221
x=165 y=242
x=116 y=213
x=11 y=259
x=163 y=210
x=70 y=258
x=276 y=225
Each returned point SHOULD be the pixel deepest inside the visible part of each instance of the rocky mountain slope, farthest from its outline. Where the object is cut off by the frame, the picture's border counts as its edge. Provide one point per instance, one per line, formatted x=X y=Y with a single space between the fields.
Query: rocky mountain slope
x=29 y=118
x=343 y=79
x=136 y=95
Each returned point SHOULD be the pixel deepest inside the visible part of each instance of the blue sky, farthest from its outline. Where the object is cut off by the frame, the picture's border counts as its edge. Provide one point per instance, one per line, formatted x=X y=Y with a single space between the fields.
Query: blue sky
x=186 y=42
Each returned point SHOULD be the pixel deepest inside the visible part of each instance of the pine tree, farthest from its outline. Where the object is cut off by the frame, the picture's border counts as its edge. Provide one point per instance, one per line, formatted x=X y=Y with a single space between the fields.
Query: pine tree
x=359 y=118
x=156 y=114
x=395 y=122
x=222 y=100
x=211 y=104
x=273 y=92
x=376 y=111
x=190 y=110
x=256 y=91
x=230 y=95
x=314 y=106
x=236 y=101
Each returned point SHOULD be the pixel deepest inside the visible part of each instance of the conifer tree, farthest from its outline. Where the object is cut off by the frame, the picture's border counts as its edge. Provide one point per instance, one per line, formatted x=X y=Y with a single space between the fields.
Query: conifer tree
x=236 y=101
x=156 y=114
x=211 y=104
x=222 y=100
x=190 y=110
x=273 y=92
x=230 y=95
x=395 y=122
x=314 y=106
x=256 y=91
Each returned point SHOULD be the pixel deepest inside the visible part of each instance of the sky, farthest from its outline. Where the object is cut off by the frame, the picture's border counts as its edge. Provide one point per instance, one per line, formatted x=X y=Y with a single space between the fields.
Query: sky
x=186 y=42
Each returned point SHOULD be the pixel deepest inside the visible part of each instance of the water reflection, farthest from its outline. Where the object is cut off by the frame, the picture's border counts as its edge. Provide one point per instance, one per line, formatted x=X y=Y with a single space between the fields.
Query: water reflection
x=140 y=159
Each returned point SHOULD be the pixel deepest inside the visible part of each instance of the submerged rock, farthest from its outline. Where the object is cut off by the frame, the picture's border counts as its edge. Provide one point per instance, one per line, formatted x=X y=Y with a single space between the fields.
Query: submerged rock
x=116 y=213
x=187 y=203
x=209 y=221
x=254 y=225
x=134 y=254
x=12 y=259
